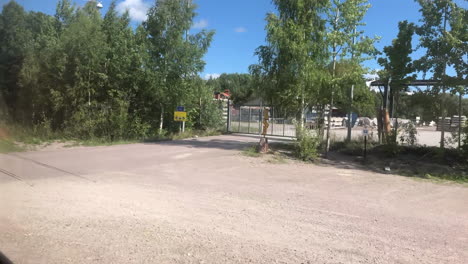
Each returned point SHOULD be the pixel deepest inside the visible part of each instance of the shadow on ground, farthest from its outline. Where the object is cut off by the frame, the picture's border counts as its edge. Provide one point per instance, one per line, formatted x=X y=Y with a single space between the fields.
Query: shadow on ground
x=276 y=144
x=226 y=144
x=213 y=143
x=4 y=259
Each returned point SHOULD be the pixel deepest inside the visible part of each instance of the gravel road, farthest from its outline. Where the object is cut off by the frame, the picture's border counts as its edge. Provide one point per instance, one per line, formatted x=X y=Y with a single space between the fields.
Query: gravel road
x=201 y=201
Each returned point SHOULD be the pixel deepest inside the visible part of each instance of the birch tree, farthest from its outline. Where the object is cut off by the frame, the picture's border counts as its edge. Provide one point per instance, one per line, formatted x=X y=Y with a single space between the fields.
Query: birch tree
x=174 y=53
x=347 y=42
x=291 y=65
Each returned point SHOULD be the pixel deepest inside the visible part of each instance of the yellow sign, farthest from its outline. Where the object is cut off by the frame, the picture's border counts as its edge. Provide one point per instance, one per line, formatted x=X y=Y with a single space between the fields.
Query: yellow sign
x=180 y=116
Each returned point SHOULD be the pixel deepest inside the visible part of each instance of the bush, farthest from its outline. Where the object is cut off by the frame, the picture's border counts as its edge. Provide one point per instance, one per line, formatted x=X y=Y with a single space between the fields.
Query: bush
x=307 y=144
x=464 y=145
x=211 y=116
x=353 y=148
x=409 y=134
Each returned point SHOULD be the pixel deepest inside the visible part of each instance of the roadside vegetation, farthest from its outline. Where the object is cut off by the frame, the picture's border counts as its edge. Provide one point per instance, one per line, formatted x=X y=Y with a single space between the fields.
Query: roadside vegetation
x=95 y=79
x=16 y=139
x=411 y=161
x=313 y=60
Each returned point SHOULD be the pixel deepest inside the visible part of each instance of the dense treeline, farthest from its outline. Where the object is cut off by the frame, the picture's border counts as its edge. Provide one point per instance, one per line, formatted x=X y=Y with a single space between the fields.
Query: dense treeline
x=91 y=76
x=240 y=86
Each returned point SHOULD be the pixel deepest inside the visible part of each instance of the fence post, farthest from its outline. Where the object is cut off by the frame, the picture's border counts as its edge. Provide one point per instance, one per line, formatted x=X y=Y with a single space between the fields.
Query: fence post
x=250 y=118
x=284 y=125
x=240 y=118
x=228 y=123
x=260 y=119
x=272 y=121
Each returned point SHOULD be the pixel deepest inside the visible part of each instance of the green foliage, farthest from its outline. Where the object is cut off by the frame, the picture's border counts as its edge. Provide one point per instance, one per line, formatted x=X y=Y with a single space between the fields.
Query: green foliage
x=398 y=64
x=354 y=147
x=9 y=146
x=193 y=134
x=240 y=86
x=251 y=151
x=443 y=33
x=307 y=144
x=349 y=47
x=425 y=105
x=212 y=116
x=408 y=134
x=92 y=77
x=291 y=66
x=363 y=103
x=14 y=33
x=464 y=145
x=175 y=55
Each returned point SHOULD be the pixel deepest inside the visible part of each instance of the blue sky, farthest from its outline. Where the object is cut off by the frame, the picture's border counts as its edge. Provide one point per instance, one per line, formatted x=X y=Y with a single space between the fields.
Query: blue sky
x=239 y=25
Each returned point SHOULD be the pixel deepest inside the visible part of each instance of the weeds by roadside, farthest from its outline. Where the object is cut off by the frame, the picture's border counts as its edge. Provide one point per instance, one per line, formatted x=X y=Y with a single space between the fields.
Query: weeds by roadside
x=274 y=156
x=411 y=161
x=251 y=151
x=194 y=133
x=278 y=158
x=16 y=138
x=9 y=146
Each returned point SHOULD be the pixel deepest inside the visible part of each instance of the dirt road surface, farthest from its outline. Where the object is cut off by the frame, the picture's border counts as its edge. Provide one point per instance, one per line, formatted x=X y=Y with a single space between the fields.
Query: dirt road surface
x=201 y=201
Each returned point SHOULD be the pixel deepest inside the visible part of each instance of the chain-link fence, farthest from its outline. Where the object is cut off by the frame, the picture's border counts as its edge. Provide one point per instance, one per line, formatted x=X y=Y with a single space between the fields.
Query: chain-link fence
x=248 y=119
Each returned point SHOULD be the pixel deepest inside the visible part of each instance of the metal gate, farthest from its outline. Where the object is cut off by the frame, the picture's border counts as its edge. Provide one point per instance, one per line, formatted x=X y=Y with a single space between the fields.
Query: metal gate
x=248 y=120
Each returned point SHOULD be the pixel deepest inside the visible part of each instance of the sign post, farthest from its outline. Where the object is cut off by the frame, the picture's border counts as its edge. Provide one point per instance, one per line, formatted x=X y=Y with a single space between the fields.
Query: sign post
x=180 y=116
x=365 y=132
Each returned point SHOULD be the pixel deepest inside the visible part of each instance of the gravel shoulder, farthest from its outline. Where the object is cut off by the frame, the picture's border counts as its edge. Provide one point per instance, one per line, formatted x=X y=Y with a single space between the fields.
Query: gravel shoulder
x=201 y=201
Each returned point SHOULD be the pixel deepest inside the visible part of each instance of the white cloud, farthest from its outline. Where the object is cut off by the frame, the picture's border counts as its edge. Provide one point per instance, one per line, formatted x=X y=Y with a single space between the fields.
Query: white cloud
x=136 y=8
x=200 y=24
x=211 y=76
x=240 y=29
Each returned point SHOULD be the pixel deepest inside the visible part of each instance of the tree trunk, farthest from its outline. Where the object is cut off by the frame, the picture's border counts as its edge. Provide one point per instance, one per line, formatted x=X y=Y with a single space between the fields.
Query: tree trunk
x=351 y=96
x=329 y=124
x=442 y=108
x=302 y=110
x=161 y=120
x=385 y=115
x=380 y=124
x=350 y=114
x=394 y=114
x=200 y=116
x=442 y=121
x=320 y=122
x=459 y=120
x=330 y=112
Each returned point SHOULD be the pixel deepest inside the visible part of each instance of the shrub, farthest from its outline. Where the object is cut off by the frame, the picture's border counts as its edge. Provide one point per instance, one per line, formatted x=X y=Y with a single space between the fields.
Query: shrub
x=211 y=116
x=464 y=145
x=409 y=134
x=307 y=143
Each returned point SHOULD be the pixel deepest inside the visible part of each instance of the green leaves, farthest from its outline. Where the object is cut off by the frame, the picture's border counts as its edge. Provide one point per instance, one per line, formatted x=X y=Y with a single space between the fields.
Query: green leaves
x=305 y=39
x=240 y=86
x=98 y=77
x=290 y=67
x=398 y=63
x=174 y=53
x=444 y=35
